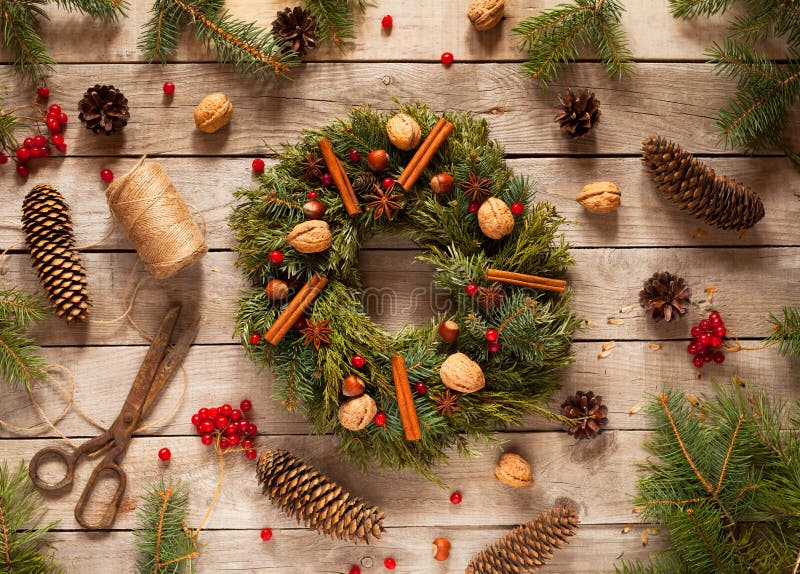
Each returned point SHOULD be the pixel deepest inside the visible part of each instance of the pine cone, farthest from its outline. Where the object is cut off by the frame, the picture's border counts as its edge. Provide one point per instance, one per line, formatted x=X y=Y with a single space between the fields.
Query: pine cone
x=48 y=234
x=296 y=27
x=528 y=546
x=694 y=187
x=311 y=497
x=591 y=409
x=577 y=115
x=665 y=296
x=364 y=183
x=104 y=108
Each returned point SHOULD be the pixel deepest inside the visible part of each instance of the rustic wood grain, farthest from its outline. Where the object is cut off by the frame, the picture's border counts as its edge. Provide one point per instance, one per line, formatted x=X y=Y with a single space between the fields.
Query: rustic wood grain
x=643 y=220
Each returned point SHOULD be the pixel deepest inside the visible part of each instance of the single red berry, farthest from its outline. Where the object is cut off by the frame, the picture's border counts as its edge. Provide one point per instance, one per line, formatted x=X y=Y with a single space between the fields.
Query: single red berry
x=390 y=564
x=40 y=141
x=380 y=419
x=245 y=405
x=51 y=116
x=54 y=109
x=387 y=21
x=447 y=58
x=195 y=419
x=456 y=498
x=387 y=183
x=28 y=143
x=164 y=454
x=300 y=323
x=224 y=443
x=714 y=317
x=61 y=147
x=716 y=342
x=471 y=289
x=326 y=179
x=57 y=139
x=494 y=347
x=247 y=443
x=358 y=361
x=698 y=361
x=276 y=257
x=719 y=357
x=705 y=339
x=213 y=413
x=720 y=330
x=234 y=439
x=250 y=454
x=23 y=171
x=255 y=338
x=169 y=88
x=3 y=158
x=53 y=126
x=492 y=335
x=221 y=422
x=691 y=348
x=517 y=208
x=63 y=119
x=473 y=207
x=258 y=165
x=705 y=325
x=23 y=154
x=251 y=429
x=226 y=410
x=107 y=175
x=43 y=92
x=420 y=388
x=203 y=413
x=207 y=438
x=354 y=155
x=311 y=194
x=354 y=570
x=45 y=151
x=236 y=415
x=36 y=152
x=244 y=424
x=696 y=332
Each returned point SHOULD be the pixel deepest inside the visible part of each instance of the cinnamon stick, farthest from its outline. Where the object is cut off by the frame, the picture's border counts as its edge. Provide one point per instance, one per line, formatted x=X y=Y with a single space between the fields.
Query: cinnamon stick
x=340 y=178
x=523 y=280
x=425 y=154
x=405 y=402
x=296 y=307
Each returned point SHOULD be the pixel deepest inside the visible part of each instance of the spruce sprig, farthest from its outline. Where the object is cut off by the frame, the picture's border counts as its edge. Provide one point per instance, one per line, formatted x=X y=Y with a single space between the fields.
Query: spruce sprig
x=555 y=37
x=786 y=332
x=21 y=362
x=335 y=18
x=24 y=539
x=693 y=8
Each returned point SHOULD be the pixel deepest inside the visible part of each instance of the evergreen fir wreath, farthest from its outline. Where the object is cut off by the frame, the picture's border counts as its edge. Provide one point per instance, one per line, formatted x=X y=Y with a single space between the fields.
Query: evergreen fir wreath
x=403 y=398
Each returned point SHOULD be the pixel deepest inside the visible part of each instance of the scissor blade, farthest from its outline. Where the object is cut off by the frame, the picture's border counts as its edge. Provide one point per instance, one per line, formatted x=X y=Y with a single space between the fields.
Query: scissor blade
x=172 y=360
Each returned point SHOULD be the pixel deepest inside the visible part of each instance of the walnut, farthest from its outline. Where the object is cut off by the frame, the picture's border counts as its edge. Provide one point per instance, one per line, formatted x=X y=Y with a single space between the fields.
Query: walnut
x=213 y=113
x=355 y=414
x=486 y=14
x=310 y=236
x=403 y=131
x=462 y=374
x=495 y=218
x=513 y=470
x=600 y=197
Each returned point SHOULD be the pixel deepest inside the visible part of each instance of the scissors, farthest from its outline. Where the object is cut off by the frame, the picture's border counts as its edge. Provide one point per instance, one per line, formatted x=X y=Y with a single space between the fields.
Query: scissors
x=158 y=366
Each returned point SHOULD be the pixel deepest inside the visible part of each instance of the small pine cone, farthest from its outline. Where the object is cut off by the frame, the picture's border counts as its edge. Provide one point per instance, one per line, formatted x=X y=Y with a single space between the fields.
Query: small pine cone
x=364 y=183
x=297 y=27
x=104 y=108
x=577 y=114
x=528 y=546
x=311 y=497
x=48 y=234
x=590 y=409
x=694 y=187
x=665 y=296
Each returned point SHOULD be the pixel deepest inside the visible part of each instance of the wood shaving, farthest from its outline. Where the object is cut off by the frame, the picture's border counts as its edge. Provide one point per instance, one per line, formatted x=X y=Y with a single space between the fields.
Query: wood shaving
x=654 y=346
x=699 y=233
x=627 y=309
x=693 y=399
x=615 y=321
x=627 y=528
x=710 y=290
x=635 y=409
x=653 y=531
x=644 y=537
x=606 y=349
x=637 y=509
x=592 y=324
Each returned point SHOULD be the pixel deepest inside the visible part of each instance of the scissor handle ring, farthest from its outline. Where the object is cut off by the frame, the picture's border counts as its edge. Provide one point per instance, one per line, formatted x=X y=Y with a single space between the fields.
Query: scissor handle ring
x=52 y=452
x=111 y=510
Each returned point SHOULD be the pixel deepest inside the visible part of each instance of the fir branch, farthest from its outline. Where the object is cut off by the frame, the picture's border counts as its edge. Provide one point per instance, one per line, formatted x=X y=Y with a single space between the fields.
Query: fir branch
x=555 y=37
x=692 y=8
x=334 y=18
x=24 y=539
x=786 y=332
x=21 y=362
x=20 y=19
x=107 y=10
x=9 y=124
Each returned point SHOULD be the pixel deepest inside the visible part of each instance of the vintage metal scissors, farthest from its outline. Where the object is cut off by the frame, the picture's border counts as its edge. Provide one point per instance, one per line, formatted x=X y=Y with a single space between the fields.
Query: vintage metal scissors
x=158 y=366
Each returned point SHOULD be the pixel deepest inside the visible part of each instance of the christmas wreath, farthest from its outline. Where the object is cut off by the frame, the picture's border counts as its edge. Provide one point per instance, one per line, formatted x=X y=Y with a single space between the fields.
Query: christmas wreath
x=404 y=398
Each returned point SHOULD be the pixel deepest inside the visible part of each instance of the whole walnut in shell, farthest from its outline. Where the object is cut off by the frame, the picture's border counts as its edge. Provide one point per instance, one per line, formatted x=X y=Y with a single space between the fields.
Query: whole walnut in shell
x=495 y=218
x=403 y=131
x=213 y=113
x=513 y=470
x=355 y=414
x=311 y=236
x=486 y=14
x=462 y=374
x=600 y=197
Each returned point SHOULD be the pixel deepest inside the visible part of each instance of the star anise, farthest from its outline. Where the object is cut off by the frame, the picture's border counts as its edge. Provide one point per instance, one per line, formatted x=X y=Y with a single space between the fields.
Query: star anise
x=446 y=403
x=313 y=166
x=477 y=188
x=384 y=202
x=316 y=333
x=490 y=296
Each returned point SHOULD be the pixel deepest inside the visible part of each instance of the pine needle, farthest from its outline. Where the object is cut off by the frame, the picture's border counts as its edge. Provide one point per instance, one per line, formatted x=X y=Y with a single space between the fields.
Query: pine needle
x=21 y=362
x=786 y=332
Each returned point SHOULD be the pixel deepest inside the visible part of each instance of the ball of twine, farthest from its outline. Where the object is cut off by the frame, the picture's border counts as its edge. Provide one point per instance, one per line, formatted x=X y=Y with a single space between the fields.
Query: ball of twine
x=156 y=219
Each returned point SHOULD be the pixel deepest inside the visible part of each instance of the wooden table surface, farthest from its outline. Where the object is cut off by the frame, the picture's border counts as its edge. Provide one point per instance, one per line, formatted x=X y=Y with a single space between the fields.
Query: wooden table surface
x=673 y=93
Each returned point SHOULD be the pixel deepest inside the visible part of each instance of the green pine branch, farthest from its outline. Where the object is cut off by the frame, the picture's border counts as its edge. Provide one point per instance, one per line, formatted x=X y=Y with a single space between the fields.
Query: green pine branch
x=9 y=124
x=693 y=8
x=786 y=332
x=108 y=10
x=164 y=543
x=21 y=362
x=25 y=544
x=555 y=37
x=335 y=18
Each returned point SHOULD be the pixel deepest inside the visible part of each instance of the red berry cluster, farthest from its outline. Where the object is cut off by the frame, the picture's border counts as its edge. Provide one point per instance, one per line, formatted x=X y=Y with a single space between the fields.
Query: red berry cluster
x=708 y=336
x=227 y=426
x=38 y=147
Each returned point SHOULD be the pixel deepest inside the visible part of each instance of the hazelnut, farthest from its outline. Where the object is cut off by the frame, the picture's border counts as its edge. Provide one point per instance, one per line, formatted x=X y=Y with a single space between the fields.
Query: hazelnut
x=378 y=160
x=353 y=386
x=355 y=414
x=448 y=331
x=600 y=197
x=495 y=218
x=462 y=374
x=403 y=131
x=213 y=113
x=442 y=183
x=277 y=290
x=441 y=549
x=513 y=470
x=310 y=236
x=313 y=209
x=486 y=14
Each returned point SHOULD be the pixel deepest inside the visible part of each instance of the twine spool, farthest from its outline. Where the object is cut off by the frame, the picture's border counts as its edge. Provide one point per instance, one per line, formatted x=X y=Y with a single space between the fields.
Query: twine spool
x=156 y=220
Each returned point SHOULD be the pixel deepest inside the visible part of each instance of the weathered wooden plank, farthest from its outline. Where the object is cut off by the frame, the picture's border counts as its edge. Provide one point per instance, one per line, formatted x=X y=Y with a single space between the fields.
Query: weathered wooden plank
x=593 y=549
x=417 y=35
x=676 y=100
x=604 y=281
x=565 y=472
x=628 y=377
x=643 y=220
